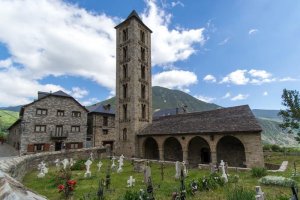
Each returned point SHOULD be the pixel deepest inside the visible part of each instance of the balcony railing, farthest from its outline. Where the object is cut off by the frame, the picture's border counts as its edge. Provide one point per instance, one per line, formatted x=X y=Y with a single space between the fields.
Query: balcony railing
x=62 y=135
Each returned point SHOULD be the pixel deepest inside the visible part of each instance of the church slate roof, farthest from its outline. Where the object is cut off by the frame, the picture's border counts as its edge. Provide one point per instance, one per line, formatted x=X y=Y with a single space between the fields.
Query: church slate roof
x=106 y=109
x=237 y=119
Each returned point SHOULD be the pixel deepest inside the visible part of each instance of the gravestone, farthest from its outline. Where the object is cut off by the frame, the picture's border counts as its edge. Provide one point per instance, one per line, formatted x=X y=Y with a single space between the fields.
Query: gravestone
x=178 y=169
x=91 y=156
x=99 y=165
x=224 y=175
x=72 y=162
x=226 y=168
x=43 y=170
x=212 y=168
x=65 y=163
x=260 y=195
x=130 y=181
x=185 y=171
x=147 y=173
x=57 y=163
x=121 y=163
x=113 y=165
x=138 y=165
x=88 y=173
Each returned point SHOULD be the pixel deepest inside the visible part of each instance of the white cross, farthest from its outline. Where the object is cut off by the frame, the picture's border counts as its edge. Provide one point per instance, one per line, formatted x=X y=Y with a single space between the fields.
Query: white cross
x=130 y=181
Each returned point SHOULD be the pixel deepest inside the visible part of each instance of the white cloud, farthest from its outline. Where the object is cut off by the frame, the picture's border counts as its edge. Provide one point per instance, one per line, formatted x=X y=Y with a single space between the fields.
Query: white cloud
x=237 y=77
x=225 y=41
x=227 y=95
x=51 y=37
x=169 y=45
x=210 y=78
x=175 y=79
x=285 y=79
x=90 y=101
x=240 y=97
x=265 y=93
x=260 y=73
x=252 y=31
x=78 y=92
x=205 y=98
x=176 y=3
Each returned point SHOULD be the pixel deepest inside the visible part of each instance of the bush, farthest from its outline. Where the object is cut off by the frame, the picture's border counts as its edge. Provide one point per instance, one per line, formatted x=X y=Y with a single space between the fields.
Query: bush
x=131 y=195
x=239 y=193
x=79 y=165
x=267 y=147
x=278 y=180
x=276 y=148
x=211 y=182
x=258 y=172
x=233 y=179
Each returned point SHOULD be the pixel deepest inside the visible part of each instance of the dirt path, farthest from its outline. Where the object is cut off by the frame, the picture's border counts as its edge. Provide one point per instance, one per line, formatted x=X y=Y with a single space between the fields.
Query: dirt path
x=7 y=151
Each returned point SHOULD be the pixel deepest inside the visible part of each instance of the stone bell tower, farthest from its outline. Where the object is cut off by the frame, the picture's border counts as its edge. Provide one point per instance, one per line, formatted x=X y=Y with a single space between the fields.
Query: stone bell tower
x=133 y=83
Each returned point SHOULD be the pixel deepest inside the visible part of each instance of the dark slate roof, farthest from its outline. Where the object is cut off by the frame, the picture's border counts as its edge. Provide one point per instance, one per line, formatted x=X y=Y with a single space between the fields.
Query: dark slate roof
x=225 y=120
x=167 y=112
x=107 y=109
x=133 y=14
x=14 y=124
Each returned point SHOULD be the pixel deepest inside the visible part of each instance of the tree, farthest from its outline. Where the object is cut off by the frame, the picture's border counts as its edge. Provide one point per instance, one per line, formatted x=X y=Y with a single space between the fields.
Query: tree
x=291 y=115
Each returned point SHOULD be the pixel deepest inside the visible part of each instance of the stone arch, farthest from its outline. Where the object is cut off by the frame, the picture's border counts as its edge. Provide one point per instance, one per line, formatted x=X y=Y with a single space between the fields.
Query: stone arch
x=198 y=151
x=172 y=150
x=231 y=150
x=151 y=149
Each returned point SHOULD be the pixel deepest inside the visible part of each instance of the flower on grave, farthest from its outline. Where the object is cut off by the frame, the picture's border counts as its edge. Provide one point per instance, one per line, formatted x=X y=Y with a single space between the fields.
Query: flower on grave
x=61 y=188
x=71 y=182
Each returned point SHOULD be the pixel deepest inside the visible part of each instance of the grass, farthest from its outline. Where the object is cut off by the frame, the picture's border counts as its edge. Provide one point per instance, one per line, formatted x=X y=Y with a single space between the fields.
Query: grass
x=163 y=189
x=7 y=118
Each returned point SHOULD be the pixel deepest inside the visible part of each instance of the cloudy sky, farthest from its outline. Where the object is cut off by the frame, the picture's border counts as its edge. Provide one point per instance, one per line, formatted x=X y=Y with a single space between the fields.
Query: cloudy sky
x=226 y=52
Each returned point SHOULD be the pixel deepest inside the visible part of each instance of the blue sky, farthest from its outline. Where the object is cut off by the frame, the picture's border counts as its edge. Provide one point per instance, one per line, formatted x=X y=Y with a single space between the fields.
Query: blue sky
x=225 y=52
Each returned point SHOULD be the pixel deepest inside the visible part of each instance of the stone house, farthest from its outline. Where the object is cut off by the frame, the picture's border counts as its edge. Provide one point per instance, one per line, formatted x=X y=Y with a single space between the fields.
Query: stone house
x=50 y=123
x=101 y=126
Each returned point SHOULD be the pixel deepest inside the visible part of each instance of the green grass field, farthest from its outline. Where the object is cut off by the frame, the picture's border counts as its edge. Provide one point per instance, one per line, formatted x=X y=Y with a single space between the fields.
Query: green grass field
x=163 y=189
x=7 y=118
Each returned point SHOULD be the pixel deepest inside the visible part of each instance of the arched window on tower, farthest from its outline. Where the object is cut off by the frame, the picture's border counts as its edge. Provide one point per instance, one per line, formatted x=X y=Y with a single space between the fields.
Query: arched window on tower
x=125 y=111
x=125 y=134
x=143 y=71
x=125 y=34
x=125 y=92
x=143 y=91
x=142 y=36
x=143 y=54
x=125 y=71
x=125 y=53
x=143 y=111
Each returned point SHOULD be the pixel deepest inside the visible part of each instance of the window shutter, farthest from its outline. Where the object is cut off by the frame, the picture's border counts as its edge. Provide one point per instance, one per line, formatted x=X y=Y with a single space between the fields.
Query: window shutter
x=46 y=147
x=30 y=148
x=68 y=145
x=80 y=145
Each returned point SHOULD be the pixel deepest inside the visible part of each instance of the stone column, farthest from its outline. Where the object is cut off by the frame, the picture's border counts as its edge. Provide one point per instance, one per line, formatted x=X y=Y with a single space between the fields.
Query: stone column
x=213 y=157
x=161 y=154
x=185 y=156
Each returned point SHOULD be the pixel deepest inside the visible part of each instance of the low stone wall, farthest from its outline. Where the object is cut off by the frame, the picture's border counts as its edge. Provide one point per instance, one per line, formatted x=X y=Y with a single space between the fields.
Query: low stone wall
x=17 y=167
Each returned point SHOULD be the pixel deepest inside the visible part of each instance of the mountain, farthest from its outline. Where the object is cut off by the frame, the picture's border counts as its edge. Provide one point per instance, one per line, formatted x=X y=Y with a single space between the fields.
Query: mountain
x=7 y=118
x=267 y=114
x=163 y=98
x=12 y=108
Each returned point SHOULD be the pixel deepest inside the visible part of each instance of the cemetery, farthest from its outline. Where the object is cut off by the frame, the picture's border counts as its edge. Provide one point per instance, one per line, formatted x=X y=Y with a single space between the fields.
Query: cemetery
x=115 y=177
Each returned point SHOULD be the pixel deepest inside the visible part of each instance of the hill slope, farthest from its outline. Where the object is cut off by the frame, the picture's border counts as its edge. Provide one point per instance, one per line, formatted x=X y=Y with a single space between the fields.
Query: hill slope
x=7 y=118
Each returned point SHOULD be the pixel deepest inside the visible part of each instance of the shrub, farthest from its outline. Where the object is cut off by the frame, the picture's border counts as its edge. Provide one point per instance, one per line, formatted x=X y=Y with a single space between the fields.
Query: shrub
x=267 y=147
x=258 y=172
x=278 y=180
x=131 y=195
x=238 y=193
x=79 y=165
x=276 y=148
x=233 y=179
x=211 y=182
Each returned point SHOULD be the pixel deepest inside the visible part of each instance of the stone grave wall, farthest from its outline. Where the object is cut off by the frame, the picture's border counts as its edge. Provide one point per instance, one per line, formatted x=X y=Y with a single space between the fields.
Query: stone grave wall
x=17 y=167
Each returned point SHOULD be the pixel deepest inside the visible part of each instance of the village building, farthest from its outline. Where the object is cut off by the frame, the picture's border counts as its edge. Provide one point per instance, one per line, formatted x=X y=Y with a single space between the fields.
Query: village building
x=101 y=126
x=53 y=122
x=229 y=134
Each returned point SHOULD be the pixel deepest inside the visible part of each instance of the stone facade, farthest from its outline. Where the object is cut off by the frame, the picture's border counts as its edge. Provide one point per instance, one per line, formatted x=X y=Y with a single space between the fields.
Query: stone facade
x=133 y=82
x=52 y=122
x=101 y=129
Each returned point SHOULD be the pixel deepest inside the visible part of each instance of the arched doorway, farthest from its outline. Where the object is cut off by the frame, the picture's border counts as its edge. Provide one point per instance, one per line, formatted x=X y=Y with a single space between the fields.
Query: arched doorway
x=231 y=150
x=172 y=150
x=151 y=149
x=198 y=151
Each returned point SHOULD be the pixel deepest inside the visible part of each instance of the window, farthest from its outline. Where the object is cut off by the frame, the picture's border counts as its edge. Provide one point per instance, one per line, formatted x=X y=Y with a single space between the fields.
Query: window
x=143 y=111
x=125 y=72
x=125 y=53
x=40 y=128
x=142 y=54
x=143 y=91
x=143 y=72
x=39 y=147
x=105 y=131
x=125 y=111
x=40 y=111
x=124 y=134
x=76 y=114
x=74 y=146
x=60 y=113
x=125 y=34
x=105 y=121
x=59 y=130
x=124 y=91
x=75 y=129
x=142 y=36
